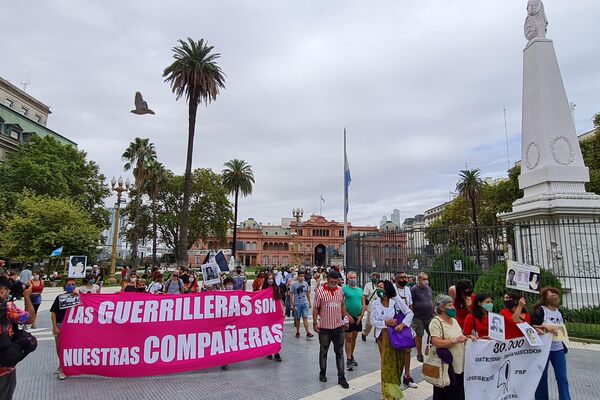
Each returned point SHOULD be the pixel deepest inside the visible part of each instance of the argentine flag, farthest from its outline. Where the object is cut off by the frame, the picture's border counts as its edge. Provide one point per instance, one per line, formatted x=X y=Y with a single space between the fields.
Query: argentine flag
x=347 y=178
x=57 y=252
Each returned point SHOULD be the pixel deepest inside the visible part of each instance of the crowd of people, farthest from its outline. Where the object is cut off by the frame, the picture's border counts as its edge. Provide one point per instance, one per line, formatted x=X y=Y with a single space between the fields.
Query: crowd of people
x=341 y=311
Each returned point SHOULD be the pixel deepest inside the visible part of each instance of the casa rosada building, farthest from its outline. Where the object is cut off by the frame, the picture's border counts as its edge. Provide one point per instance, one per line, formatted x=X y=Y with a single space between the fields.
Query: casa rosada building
x=311 y=242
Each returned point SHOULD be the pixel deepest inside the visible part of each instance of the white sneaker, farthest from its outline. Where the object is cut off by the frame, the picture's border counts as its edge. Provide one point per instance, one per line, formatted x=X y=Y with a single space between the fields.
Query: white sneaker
x=61 y=376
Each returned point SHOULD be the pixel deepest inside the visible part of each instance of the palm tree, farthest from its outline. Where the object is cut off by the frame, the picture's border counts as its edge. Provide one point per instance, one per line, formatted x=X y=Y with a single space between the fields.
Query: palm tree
x=470 y=186
x=237 y=177
x=138 y=155
x=155 y=176
x=195 y=74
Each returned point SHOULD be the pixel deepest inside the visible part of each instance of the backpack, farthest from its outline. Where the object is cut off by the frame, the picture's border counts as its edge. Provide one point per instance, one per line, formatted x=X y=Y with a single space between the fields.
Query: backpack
x=179 y=283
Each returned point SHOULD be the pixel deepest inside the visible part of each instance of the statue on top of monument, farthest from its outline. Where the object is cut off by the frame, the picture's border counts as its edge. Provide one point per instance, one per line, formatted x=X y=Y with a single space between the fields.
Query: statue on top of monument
x=536 y=23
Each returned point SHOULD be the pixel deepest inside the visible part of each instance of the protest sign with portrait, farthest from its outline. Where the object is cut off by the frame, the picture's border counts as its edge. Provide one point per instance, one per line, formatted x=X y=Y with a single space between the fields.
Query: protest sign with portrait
x=520 y=276
x=530 y=333
x=210 y=273
x=77 y=265
x=496 y=326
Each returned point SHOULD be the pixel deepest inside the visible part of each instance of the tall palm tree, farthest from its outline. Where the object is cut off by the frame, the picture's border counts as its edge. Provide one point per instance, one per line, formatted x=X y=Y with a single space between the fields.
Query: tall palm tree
x=470 y=187
x=237 y=178
x=156 y=174
x=138 y=155
x=195 y=75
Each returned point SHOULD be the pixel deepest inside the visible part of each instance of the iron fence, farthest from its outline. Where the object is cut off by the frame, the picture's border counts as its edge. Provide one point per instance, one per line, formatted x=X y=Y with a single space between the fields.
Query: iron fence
x=567 y=251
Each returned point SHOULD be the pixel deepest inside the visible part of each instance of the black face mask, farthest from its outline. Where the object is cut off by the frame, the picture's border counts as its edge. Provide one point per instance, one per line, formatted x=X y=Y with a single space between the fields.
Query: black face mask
x=468 y=292
x=509 y=304
x=402 y=283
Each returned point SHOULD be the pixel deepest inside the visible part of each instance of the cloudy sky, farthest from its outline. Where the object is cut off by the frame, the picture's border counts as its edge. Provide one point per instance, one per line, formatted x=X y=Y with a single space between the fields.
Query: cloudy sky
x=420 y=86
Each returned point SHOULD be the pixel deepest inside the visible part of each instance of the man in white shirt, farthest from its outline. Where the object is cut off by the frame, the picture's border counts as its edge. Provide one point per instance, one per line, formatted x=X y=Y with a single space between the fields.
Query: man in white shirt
x=403 y=294
x=369 y=293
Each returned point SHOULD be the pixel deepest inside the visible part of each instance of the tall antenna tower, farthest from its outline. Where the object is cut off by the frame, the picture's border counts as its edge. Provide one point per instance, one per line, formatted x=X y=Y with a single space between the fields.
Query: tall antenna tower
x=506 y=135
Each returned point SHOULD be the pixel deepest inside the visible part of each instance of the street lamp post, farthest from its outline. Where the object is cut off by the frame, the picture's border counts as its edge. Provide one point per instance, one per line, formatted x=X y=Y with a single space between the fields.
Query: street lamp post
x=297 y=213
x=117 y=187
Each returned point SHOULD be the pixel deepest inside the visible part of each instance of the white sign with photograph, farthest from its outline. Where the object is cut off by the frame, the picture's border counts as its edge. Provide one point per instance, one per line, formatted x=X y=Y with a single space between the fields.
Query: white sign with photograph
x=504 y=370
x=210 y=273
x=523 y=277
x=458 y=265
x=77 y=265
x=531 y=335
x=496 y=328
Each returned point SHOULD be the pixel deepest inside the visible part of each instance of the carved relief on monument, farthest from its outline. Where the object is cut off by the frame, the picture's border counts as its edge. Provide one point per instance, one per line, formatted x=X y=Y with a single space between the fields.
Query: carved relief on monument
x=562 y=151
x=532 y=155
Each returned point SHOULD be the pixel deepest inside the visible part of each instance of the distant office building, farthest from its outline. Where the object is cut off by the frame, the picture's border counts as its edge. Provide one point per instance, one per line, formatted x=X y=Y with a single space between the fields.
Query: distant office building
x=396 y=217
x=21 y=117
x=383 y=221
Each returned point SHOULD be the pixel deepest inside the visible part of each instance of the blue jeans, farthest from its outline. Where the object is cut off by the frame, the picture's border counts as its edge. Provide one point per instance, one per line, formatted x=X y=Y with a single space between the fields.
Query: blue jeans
x=300 y=311
x=559 y=364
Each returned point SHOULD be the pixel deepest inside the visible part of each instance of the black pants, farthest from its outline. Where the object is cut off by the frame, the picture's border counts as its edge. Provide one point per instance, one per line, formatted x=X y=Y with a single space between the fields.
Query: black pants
x=451 y=392
x=8 y=383
x=337 y=336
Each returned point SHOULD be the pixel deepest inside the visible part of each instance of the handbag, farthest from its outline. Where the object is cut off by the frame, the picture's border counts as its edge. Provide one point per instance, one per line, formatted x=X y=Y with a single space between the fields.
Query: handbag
x=405 y=339
x=434 y=370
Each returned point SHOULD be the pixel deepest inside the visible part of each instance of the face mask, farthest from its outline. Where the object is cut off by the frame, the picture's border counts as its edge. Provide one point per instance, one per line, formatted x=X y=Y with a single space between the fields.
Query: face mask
x=132 y=279
x=229 y=287
x=469 y=292
x=352 y=282
x=36 y=277
x=70 y=288
x=380 y=293
x=140 y=289
x=373 y=280
x=489 y=307
x=425 y=283
x=270 y=281
x=191 y=279
x=91 y=283
x=450 y=312
x=509 y=304
x=331 y=286
x=402 y=283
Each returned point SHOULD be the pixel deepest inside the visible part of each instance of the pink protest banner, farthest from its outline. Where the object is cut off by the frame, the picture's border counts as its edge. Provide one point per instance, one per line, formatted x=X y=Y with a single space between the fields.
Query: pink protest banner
x=139 y=334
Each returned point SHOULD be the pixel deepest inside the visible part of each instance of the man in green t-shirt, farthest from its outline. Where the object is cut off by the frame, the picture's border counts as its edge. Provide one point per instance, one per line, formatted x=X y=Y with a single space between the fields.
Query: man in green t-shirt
x=355 y=305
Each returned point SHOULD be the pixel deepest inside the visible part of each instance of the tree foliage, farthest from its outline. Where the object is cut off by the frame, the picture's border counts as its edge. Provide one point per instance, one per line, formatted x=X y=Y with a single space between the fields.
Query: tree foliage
x=45 y=166
x=210 y=211
x=39 y=224
x=237 y=178
x=590 y=149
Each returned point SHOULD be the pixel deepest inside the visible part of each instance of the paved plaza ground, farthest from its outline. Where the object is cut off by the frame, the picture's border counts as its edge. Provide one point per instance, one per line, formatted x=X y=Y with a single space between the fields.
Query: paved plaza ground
x=295 y=378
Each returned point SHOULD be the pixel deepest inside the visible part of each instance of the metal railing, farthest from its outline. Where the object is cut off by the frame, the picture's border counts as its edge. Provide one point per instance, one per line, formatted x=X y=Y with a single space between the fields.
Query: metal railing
x=567 y=251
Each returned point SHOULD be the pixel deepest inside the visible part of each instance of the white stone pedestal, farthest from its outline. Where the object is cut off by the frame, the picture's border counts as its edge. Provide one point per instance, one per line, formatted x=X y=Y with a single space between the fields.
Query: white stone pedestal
x=557 y=223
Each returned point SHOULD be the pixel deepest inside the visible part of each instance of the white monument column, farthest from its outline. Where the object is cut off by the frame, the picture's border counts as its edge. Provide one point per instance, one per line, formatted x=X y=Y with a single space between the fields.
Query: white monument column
x=554 y=221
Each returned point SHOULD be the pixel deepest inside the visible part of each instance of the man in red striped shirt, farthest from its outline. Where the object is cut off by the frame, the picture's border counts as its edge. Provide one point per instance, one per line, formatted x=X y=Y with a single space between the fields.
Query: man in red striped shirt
x=329 y=320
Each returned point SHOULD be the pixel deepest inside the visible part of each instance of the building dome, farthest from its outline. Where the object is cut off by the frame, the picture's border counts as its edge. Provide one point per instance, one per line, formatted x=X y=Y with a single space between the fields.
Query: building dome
x=250 y=223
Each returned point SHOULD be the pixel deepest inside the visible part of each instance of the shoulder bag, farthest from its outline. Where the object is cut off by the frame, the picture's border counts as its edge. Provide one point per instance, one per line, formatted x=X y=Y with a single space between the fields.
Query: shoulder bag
x=434 y=370
x=405 y=339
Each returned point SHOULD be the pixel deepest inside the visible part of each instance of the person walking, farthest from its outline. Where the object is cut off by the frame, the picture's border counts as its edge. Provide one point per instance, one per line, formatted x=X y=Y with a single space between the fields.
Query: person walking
x=174 y=285
x=26 y=274
x=58 y=311
x=239 y=279
x=37 y=287
x=403 y=294
x=269 y=283
x=369 y=294
x=300 y=303
x=355 y=305
x=476 y=322
x=422 y=298
x=383 y=315
x=329 y=318
x=514 y=313
x=547 y=315
x=449 y=342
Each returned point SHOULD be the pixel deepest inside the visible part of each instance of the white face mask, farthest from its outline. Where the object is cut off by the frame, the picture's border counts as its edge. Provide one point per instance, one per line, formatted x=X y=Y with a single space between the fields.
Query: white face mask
x=229 y=287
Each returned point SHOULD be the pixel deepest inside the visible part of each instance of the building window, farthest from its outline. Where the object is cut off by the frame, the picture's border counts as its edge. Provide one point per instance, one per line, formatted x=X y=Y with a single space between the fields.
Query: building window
x=14 y=135
x=24 y=111
x=37 y=118
x=8 y=103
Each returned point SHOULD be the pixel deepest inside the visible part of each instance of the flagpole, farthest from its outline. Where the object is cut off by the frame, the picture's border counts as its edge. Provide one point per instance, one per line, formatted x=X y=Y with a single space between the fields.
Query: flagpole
x=345 y=204
x=321 y=206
